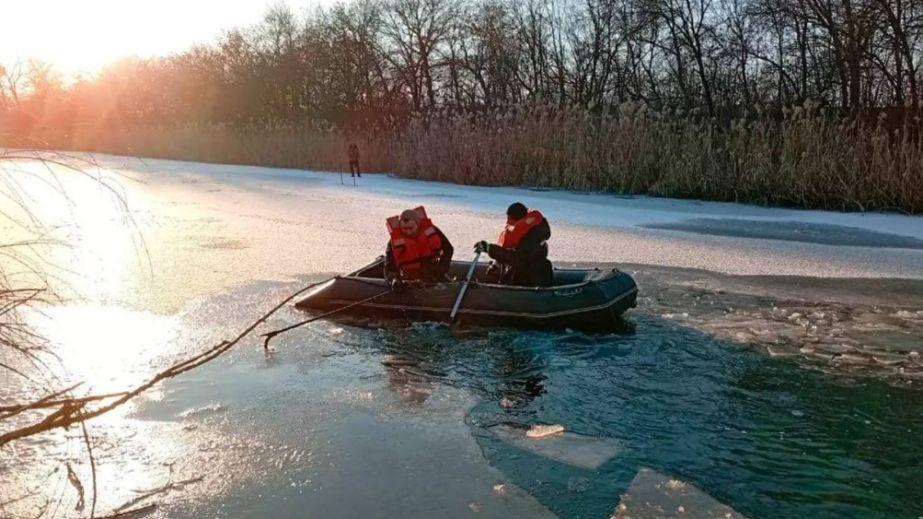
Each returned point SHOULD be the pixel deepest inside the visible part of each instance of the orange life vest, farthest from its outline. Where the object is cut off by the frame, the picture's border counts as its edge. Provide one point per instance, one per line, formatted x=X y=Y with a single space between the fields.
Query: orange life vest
x=513 y=233
x=409 y=253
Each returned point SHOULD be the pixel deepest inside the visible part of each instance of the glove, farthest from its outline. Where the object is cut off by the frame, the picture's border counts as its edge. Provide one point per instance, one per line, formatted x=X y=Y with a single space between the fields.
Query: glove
x=481 y=246
x=395 y=284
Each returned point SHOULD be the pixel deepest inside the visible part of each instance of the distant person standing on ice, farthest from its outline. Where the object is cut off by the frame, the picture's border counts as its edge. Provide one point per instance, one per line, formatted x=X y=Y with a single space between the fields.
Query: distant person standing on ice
x=353 y=153
x=521 y=251
x=417 y=250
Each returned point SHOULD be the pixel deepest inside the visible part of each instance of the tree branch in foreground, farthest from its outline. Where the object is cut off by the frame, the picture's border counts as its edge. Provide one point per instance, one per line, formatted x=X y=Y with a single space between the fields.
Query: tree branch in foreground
x=75 y=410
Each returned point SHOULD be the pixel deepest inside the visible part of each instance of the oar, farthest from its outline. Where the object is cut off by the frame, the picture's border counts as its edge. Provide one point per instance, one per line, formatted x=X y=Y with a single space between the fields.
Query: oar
x=464 y=288
x=273 y=333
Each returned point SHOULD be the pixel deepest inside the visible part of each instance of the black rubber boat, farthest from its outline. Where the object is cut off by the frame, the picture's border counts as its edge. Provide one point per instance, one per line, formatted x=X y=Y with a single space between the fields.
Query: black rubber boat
x=579 y=298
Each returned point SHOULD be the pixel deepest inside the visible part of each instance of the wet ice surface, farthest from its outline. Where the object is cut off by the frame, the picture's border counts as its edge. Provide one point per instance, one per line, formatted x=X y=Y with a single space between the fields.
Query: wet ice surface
x=825 y=234
x=388 y=420
x=872 y=327
x=210 y=227
x=320 y=425
x=653 y=495
x=588 y=452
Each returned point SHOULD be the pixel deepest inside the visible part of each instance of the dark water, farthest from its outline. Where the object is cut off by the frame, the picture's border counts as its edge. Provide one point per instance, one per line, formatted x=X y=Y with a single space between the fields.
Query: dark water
x=377 y=420
x=762 y=435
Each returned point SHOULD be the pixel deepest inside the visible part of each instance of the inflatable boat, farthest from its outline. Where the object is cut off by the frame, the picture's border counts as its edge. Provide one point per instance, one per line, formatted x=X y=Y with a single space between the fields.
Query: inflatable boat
x=579 y=298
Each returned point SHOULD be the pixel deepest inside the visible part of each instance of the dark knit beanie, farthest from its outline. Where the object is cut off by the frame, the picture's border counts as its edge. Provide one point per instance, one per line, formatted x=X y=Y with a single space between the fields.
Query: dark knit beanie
x=516 y=211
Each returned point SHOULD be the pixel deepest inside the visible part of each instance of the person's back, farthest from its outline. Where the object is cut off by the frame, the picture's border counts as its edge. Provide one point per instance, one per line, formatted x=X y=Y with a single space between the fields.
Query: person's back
x=522 y=249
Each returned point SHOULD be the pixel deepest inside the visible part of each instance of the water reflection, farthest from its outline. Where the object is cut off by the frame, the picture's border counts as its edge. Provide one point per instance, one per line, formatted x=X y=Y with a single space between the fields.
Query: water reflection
x=86 y=242
x=472 y=359
x=107 y=348
x=83 y=246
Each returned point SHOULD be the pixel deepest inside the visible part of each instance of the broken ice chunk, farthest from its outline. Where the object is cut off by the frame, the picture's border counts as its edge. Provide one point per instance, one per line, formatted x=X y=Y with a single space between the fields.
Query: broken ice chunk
x=652 y=494
x=541 y=431
x=574 y=449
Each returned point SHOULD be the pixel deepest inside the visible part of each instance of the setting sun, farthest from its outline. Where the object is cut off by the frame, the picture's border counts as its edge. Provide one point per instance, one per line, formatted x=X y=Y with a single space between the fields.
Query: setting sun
x=82 y=36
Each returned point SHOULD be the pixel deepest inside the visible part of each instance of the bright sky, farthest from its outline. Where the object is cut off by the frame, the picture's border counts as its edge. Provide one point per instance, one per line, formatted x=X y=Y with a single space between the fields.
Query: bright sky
x=82 y=35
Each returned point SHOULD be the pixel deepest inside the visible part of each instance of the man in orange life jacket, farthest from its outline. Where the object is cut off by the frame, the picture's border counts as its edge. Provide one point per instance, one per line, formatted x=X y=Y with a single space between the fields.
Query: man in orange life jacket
x=522 y=249
x=417 y=251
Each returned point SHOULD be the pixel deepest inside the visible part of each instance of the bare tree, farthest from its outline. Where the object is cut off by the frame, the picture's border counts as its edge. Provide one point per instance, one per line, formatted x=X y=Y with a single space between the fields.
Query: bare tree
x=11 y=84
x=414 y=31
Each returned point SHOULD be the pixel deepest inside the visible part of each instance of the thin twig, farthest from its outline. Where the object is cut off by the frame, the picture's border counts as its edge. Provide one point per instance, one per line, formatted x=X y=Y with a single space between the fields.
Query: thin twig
x=73 y=411
x=86 y=439
x=39 y=404
x=273 y=333
x=134 y=512
x=160 y=490
x=14 y=410
x=78 y=486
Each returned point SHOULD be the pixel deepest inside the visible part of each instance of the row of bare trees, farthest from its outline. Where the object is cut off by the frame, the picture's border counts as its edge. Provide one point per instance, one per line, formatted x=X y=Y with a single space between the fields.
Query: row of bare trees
x=376 y=61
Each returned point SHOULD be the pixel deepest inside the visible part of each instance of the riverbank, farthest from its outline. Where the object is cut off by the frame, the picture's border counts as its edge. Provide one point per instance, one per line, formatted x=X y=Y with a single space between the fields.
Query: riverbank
x=346 y=420
x=804 y=159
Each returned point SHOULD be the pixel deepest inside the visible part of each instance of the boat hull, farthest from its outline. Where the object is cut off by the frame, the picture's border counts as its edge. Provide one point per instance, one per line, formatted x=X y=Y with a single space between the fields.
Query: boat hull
x=596 y=300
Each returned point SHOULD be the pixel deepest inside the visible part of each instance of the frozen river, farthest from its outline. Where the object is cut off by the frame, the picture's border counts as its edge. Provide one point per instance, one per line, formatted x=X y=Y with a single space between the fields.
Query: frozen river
x=767 y=371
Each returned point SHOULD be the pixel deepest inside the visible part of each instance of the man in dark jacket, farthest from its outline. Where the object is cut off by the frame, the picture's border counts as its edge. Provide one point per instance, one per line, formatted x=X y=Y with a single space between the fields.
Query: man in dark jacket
x=521 y=252
x=417 y=251
x=353 y=152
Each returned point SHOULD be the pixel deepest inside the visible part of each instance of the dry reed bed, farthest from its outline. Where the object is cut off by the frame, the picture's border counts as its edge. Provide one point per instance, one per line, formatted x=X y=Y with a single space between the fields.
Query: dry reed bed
x=805 y=159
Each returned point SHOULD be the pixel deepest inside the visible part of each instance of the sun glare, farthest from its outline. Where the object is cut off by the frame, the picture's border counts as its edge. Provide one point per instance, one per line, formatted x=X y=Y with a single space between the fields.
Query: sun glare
x=82 y=36
x=97 y=264
x=108 y=348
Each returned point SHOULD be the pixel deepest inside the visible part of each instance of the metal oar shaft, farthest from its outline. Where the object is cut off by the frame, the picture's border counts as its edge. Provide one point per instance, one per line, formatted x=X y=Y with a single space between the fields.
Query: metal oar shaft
x=464 y=288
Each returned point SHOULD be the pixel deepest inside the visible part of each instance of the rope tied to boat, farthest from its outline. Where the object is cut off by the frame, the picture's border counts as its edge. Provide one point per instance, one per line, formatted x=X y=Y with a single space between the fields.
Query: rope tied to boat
x=270 y=335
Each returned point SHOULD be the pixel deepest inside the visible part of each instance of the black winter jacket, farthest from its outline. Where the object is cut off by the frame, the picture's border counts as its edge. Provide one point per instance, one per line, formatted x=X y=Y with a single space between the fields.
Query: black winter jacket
x=527 y=265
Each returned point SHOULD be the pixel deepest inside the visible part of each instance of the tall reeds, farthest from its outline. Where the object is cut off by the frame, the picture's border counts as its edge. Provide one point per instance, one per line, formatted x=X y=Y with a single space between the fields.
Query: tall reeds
x=804 y=158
